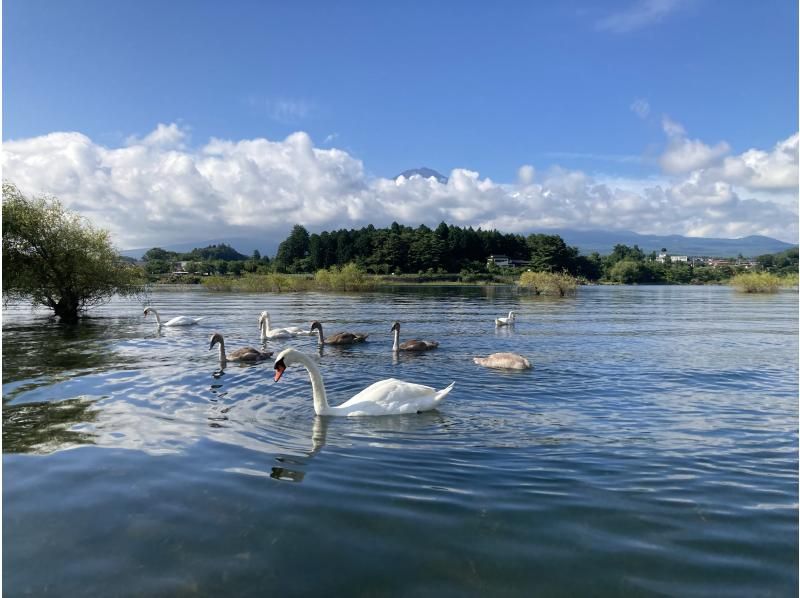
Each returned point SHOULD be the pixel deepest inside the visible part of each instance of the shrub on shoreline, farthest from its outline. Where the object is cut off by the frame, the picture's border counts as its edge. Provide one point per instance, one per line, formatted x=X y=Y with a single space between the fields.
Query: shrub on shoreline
x=258 y=283
x=346 y=278
x=549 y=283
x=756 y=282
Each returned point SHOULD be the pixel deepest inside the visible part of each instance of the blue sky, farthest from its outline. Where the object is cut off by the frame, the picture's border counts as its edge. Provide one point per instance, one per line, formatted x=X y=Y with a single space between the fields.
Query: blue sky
x=583 y=86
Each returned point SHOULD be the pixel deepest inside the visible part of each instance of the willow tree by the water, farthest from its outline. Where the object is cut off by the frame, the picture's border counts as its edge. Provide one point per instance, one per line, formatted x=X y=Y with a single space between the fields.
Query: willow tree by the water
x=57 y=259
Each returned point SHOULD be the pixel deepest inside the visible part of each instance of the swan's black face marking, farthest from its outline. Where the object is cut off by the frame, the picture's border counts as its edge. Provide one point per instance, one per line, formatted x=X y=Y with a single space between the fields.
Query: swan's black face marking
x=316 y=326
x=280 y=367
x=395 y=326
x=215 y=338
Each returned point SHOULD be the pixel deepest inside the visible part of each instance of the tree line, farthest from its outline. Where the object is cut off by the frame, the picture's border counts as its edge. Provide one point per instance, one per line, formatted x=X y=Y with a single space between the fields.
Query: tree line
x=400 y=249
x=55 y=258
x=403 y=249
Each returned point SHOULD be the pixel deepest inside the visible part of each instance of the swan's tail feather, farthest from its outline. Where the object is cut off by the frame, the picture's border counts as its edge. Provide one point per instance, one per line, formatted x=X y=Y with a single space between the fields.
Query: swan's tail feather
x=441 y=394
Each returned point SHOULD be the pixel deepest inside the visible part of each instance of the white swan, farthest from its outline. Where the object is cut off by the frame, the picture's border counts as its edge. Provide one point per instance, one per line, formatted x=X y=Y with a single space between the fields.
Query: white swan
x=340 y=338
x=386 y=397
x=247 y=354
x=268 y=332
x=412 y=345
x=178 y=321
x=509 y=321
x=504 y=361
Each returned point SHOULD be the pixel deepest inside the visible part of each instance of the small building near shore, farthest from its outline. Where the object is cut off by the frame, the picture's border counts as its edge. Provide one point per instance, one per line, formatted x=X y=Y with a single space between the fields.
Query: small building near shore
x=503 y=261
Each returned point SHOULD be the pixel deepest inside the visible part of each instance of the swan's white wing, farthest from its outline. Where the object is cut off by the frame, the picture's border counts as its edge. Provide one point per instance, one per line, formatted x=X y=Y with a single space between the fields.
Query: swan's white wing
x=297 y=331
x=392 y=397
x=182 y=321
x=278 y=333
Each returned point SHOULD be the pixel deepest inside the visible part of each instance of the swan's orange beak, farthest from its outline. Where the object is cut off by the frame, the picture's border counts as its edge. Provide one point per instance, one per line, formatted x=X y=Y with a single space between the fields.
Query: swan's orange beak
x=280 y=367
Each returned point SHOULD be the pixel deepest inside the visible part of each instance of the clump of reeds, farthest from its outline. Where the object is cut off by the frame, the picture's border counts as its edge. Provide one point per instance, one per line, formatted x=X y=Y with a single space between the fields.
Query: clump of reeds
x=345 y=278
x=259 y=283
x=549 y=283
x=790 y=280
x=756 y=282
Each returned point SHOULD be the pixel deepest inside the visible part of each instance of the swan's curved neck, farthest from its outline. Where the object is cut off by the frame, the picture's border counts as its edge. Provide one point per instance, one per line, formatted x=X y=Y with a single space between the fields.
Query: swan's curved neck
x=319 y=334
x=396 y=346
x=262 y=324
x=321 y=406
x=158 y=318
x=222 y=357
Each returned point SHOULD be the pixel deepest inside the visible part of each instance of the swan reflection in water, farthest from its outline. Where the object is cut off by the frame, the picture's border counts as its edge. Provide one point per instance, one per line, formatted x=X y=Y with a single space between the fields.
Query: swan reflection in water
x=383 y=432
x=319 y=434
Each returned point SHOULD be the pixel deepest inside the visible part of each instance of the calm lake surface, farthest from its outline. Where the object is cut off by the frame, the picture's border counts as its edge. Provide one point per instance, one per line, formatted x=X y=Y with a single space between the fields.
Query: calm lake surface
x=652 y=450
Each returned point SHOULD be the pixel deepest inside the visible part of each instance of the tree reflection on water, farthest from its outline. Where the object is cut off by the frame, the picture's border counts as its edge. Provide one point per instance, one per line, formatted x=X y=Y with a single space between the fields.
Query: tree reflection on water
x=43 y=428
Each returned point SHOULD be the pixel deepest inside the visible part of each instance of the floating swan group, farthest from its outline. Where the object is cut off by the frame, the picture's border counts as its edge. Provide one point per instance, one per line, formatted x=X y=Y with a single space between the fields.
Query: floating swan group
x=385 y=397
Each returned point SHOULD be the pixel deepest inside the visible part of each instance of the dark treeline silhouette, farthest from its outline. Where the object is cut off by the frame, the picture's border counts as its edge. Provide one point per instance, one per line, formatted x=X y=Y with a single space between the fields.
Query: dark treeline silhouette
x=398 y=248
x=401 y=249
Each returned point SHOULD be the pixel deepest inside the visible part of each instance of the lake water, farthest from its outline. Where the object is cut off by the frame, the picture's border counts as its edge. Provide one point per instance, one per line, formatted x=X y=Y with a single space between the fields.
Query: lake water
x=652 y=450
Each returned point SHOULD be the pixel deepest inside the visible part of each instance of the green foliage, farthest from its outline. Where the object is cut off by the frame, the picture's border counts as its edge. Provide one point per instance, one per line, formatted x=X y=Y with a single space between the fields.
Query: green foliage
x=549 y=253
x=783 y=263
x=347 y=278
x=627 y=271
x=55 y=258
x=293 y=251
x=756 y=282
x=790 y=280
x=212 y=253
x=158 y=254
x=397 y=249
x=272 y=282
x=549 y=283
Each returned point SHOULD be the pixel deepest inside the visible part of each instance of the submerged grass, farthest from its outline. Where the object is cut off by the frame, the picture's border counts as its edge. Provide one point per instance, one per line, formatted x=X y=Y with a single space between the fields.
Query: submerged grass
x=549 y=283
x=259 y=283
x=346 y=278
x=757 y=282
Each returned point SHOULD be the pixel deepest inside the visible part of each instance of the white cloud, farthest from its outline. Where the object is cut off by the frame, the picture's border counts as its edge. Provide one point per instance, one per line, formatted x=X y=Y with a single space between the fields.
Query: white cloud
x=638 y=15
x=526 y=174
x=683 y=154
x=164 y=136
x=757 y=169
x=155 y=191
x=640 y=107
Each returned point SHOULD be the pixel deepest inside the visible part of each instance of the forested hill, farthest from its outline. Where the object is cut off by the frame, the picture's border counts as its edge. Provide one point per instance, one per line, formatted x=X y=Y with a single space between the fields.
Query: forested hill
x=403 y=249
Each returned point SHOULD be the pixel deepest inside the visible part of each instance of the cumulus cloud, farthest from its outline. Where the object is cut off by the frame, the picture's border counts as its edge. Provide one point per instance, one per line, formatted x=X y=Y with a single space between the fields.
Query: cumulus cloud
x=684 y=154
x=156 y=191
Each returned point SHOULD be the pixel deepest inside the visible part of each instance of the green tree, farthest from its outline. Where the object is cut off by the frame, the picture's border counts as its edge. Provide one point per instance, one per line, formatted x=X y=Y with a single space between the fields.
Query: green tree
x=55 y=258
x=158 y=254
x=549 y=253
x=293 y=249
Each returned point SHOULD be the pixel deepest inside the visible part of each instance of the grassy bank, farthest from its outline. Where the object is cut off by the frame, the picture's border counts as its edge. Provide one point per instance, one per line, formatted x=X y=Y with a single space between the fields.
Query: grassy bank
x=762 y=282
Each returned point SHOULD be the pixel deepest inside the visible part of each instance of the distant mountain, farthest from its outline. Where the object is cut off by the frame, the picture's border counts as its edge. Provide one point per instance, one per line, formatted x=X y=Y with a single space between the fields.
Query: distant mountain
x=424 y=173
x=603 y=241
x=246 y=246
